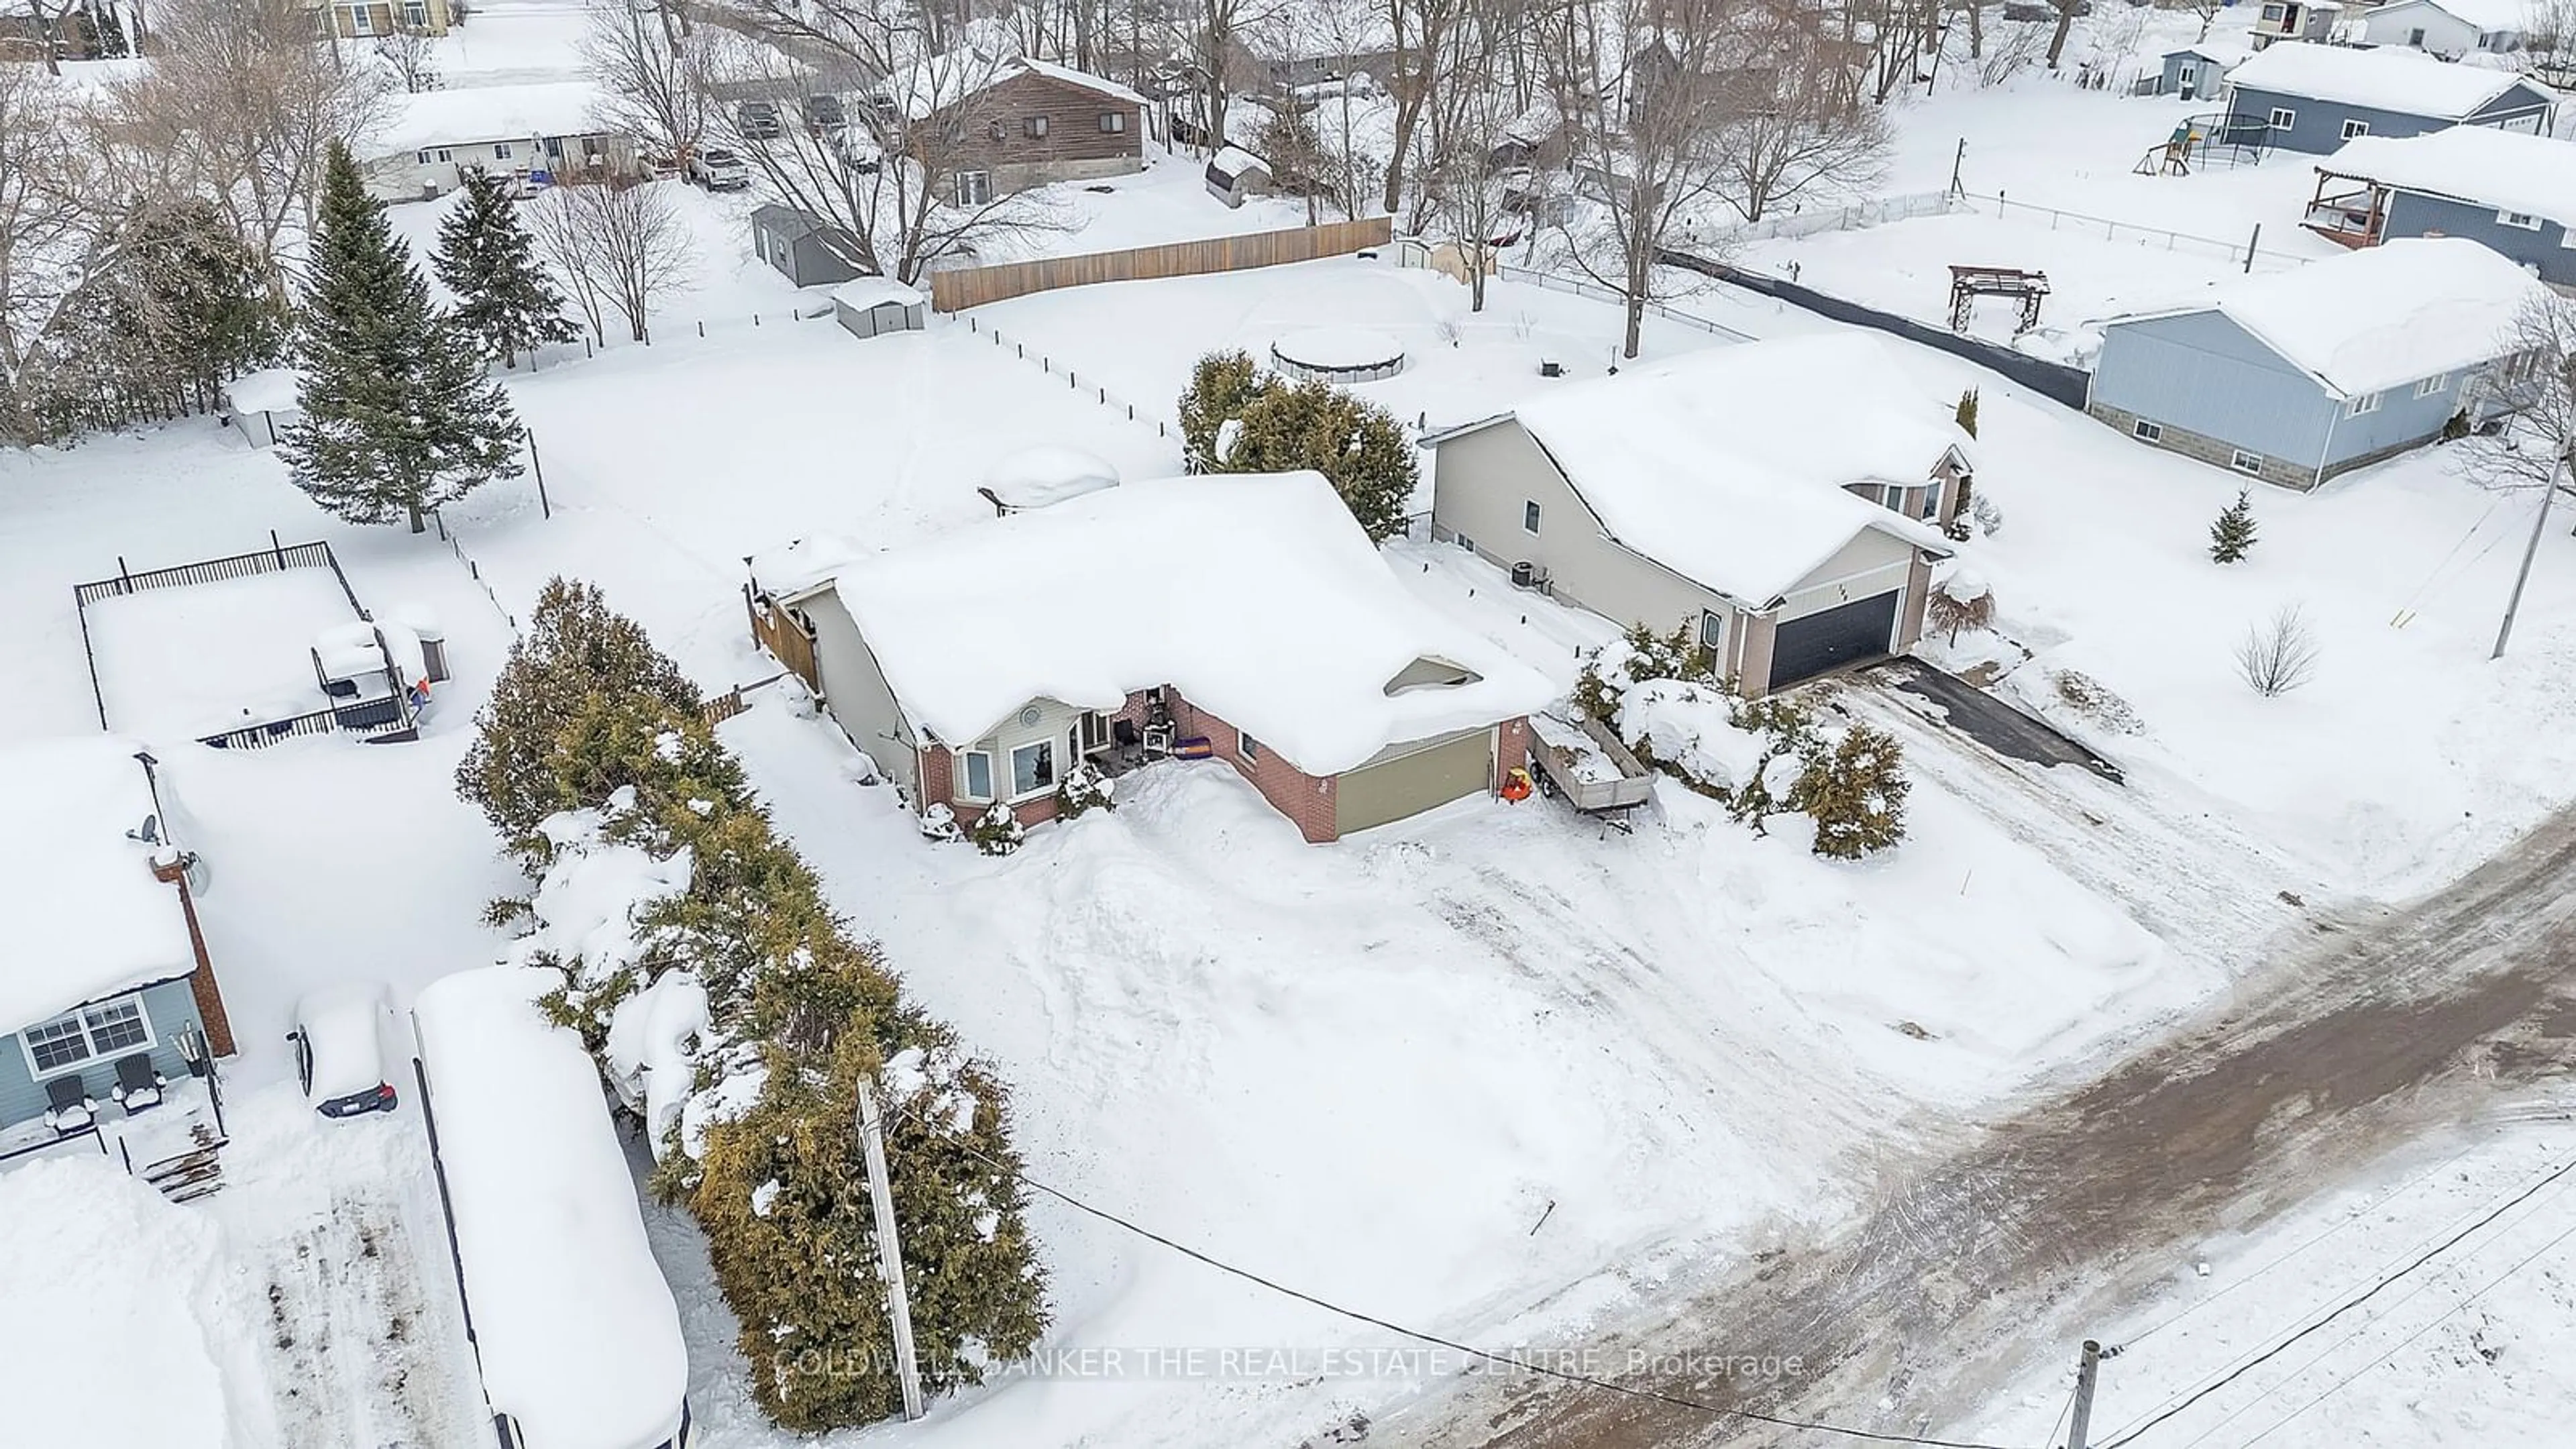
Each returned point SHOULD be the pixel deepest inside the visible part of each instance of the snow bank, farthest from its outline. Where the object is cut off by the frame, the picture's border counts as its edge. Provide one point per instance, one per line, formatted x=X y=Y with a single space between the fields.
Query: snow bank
x=486 y=114
x=1036 y=477
x=2503 y=169
x=2391 y=78
x=107 y=1339
x=1692 y=726
x=1256 y=595
x=652 y=1045
x=84 y=915
x=575 y=1329
x=1727 y=466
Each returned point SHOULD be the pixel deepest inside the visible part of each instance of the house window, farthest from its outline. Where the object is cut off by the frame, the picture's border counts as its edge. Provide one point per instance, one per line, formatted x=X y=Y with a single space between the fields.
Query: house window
x=1033 y=768
x=2355 y=128
x=500 y=150
x=445 y=155
x=1712 y=629
x=1931 y=504
x=1529 y=515
x=2275 y=14
x=2148 y=432
x=2415 y=37
x=1246 y=746
x=1466 y=543
x=1034 y=126
x=2521 y=219
x=2432 y=385
x=416 y=14
x=424 y=158
x=1113 y=123
x=361 y=20
x=2245 y=462
x=2366 y=403
x=979 y=775
x=2283 y=118
x=103 y=1030
x=974 y=188
x=997 y=130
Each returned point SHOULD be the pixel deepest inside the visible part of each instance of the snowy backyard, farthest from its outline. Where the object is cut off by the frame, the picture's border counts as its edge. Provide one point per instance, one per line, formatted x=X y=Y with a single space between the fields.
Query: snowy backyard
x=1497 y=1071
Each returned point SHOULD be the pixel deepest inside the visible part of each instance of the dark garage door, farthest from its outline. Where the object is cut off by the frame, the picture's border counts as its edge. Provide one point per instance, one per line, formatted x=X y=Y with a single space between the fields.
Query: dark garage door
x=1805 y=648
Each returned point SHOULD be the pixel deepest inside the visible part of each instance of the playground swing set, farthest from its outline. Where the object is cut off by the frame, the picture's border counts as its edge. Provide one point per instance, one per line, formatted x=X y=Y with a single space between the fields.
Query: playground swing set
x=1967 y=284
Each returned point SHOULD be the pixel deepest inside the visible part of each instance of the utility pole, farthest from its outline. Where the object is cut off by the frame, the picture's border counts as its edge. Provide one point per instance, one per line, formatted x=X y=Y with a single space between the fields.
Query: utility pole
x=889 y=1249
x=2530 y=551
x=2080 y=1427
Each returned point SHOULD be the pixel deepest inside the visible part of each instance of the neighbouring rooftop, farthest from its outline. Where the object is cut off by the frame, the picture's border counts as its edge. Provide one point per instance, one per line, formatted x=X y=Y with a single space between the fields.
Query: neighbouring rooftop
x=83 y=913
x=2507 y=170
x=2389 y=78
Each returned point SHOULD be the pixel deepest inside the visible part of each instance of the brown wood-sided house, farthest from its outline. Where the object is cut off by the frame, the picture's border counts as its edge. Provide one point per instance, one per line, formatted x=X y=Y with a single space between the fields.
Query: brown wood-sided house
x=1019 y=123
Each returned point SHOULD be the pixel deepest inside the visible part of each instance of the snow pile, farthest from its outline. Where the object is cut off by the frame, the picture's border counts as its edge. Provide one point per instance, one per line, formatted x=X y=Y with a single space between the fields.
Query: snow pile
x=2371 y=319
x=575 y=1329
x=1727 y=466
x=1036 y=477
x=1591 y=764
x=1256 y=595
x=2408 y=82
x=485 y=114
x=1692 y=728
x=2507 y=170
x=84 y=914
x=113 y=1297
x=591 y=900
x=653 y=1039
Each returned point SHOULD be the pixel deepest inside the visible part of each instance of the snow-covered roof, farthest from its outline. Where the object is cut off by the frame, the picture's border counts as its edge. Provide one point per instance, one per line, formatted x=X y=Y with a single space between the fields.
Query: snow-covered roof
x=269 y=390
x=803 y=565
x=1727 y=466
x=348 y=651
x=2374 y=318
x=471 y=114
x=1256 y=595
x=2389 y=78
x=1085 y=79
x=1037 y=477
x=574 y=1326
x=860 y=293
x=2214 y=50
x=961 y=74
x=2507 y=170
x=1233 y=161
x=83 y=916
x=2485 y=15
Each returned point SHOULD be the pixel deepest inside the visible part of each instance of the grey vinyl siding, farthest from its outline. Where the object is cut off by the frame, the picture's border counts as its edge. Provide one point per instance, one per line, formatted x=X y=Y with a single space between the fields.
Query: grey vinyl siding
x=1056 y=721
x=2207 y=76
x=2317 y=127
x=170 y=1007
x=2400 y=421
x=2200 y=371
x=2413 y=214
x=856 y=694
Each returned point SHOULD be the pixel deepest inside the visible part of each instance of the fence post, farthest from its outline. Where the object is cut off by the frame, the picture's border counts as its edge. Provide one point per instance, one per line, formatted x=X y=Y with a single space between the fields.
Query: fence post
x=275 y=548
x=702 y=327
x=2250 y=243
x=544 y=504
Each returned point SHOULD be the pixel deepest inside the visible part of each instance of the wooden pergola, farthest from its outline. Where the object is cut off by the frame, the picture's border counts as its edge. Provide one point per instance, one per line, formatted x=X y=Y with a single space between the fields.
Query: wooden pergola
x=2353 y=217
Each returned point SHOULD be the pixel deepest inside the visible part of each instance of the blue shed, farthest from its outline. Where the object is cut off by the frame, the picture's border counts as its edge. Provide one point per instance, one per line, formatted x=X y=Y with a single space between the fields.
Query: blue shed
x=2314 y=98
x=2199 y=72
x=2512 y=193
x=2295 y=377
x=107 y=1000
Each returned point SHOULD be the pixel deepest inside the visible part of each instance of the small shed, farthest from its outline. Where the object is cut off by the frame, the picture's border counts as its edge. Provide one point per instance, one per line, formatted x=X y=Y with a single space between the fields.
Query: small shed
x=1036 y=477
x=261 y=405
x=803 y=247
x=2196 y=72
x=869 y=306
x=1235 y=174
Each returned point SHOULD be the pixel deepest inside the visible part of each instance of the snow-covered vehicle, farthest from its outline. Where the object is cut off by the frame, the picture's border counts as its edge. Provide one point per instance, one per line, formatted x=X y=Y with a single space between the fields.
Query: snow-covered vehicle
x=575 y=1331
x=339 y=1044
x=718 y=169
x=1585 y=763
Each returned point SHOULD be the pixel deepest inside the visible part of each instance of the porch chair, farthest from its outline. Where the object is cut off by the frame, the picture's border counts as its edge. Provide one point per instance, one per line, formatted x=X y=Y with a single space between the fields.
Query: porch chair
x=138 y=1085
x=69 y=1108
x=1131 y=745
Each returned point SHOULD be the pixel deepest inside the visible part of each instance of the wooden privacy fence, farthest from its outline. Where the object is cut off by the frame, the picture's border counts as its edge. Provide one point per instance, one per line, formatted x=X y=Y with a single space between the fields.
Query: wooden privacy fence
x=962 y=287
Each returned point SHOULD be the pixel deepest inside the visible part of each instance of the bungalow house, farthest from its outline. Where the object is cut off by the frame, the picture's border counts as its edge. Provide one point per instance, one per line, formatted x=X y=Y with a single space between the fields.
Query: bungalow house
x=532 y=133
x=368 y=19
x=2513 y=193
x=1783 y=498
x=2313 y=98
x=1008 y=125
x=106 y=994
x=803 y=247
x=2295 y=377
x=2199 y=70
x=2449 y=28
x=2295 y=20
x=1239 y=617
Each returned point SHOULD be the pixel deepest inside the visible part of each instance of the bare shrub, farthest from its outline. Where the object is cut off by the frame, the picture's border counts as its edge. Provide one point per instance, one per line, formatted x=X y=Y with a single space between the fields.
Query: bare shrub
x=2278 y=657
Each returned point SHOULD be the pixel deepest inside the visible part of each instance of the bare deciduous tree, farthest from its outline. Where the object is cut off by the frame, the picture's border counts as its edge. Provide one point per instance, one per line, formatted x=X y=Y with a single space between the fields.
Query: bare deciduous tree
x=1774 y=148
x=620 y=249
x=2277 y=657
x=651 y=75
x=2535 y=387
x=410 y=56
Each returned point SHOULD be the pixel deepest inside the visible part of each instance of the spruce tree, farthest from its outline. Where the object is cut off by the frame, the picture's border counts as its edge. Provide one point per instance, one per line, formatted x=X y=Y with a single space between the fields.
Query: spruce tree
x=487 y=259
x=1967 y=414
x=397 y=414
x=2233 y=534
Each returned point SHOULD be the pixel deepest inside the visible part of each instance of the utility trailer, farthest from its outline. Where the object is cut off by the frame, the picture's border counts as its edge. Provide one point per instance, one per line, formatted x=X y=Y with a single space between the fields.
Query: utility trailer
x=1583 y=762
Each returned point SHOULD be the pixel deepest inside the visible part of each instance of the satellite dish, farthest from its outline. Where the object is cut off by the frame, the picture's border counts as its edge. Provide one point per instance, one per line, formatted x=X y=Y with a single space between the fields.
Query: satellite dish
x=149 y=832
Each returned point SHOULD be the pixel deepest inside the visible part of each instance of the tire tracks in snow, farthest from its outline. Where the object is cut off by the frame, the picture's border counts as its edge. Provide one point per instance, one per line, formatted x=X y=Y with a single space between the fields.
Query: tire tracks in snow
x=351 y=1340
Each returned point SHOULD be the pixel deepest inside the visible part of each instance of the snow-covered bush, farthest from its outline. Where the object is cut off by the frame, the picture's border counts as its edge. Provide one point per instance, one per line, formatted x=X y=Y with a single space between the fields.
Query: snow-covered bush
x=2278 y=657
x=1639 y=655
x=1790 y=738
x=2095 y=701
x=1221 y=386
x=940 y=823
x=997 y=831
x=1083 y=789
x=1988 y=513
x=1855 y=792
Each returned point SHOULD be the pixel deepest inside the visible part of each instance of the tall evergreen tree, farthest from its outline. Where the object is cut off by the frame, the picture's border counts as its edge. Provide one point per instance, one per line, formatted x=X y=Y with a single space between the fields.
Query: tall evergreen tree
x=488 y=260
x=398 y=416
x=2233 y=534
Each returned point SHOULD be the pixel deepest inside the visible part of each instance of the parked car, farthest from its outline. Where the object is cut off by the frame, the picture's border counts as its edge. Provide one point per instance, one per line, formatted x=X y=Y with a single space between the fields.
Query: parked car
x=339 y=1043
x=718 y=169
x=825 y=113
x=661 y=166
x=758 y=119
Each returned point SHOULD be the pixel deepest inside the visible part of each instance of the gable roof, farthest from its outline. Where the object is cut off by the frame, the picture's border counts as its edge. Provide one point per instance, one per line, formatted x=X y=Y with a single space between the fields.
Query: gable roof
x=2388 y=78
x=2484 y=15
x=960 y=75
x=470 y=114
x=2507 y=170
x=1255 y=595
x=1727 y=466
x=2371 y=319
x=84 y=915
x=2212 y=50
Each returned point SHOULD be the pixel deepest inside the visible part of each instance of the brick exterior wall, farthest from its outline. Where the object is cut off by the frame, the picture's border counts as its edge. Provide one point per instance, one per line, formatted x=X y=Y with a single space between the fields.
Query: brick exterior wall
x=1511 y=749
x=2203 y=448
x=1307 y=800
x=211 y=1015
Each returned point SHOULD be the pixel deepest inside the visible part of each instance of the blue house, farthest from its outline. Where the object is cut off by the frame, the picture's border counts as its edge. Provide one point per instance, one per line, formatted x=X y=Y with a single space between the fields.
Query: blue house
x=2295 y=377
x=2198 y=72
x=2512 y=193
x=2314 y=98
x=107 y=1001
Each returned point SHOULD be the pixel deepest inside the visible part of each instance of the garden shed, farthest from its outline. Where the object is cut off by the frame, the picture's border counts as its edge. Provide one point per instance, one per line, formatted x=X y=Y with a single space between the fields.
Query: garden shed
x=871 y=306
x=262 y=405
x=1235 y=174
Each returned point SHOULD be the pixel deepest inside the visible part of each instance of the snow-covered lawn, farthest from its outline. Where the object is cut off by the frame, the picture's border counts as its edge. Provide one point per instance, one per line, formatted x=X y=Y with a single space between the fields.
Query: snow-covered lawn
x=201 y=658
